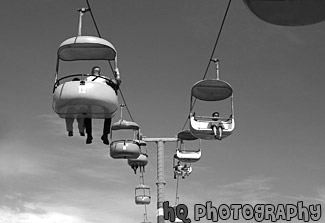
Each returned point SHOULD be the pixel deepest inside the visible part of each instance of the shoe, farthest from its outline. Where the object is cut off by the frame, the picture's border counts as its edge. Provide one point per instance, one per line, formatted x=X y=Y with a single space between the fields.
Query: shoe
x=105 y=139
x=70 y=133
x=89 y=139
x=82 y=133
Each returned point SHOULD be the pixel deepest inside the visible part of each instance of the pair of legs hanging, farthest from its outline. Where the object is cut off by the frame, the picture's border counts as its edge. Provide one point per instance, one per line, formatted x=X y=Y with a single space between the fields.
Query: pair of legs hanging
x=135 y=167
x=69 y=126
x=217 y=131
x=106 y=130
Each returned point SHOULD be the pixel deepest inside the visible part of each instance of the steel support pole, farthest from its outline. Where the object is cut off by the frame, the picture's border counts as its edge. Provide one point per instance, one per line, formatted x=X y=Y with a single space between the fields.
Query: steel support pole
x=160 y=181
x=160 y=173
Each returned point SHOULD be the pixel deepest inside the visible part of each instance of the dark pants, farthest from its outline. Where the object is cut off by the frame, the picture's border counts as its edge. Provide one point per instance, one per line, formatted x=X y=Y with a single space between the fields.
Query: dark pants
x=106 y=128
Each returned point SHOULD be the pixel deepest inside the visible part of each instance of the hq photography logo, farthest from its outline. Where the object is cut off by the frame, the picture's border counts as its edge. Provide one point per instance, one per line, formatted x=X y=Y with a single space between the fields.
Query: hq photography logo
x=257 y=213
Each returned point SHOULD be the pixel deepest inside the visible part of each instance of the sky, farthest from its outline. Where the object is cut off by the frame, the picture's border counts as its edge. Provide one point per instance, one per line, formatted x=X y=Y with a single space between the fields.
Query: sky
x=275 y=155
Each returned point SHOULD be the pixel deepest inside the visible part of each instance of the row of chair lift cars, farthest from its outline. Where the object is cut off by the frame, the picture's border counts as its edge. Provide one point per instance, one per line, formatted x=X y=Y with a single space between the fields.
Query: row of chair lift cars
x=88 y=99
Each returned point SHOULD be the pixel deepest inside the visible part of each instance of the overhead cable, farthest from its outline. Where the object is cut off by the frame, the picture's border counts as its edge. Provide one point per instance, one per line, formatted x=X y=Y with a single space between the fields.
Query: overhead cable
x=212 y=54
x=93 y=18
x=94 y=21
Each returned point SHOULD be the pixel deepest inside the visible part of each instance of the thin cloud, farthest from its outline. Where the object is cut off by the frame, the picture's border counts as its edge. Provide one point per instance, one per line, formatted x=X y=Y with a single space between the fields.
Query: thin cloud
x=70 y=206
x=254 y=190
x=15 y=216
x=321 y=195
x=57 y=125
x=5 y=126
x=14 y=161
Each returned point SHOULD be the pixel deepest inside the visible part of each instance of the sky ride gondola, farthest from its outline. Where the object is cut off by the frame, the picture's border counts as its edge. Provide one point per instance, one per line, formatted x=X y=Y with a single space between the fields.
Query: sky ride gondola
x=288 y=12
x=212 y=127
x=125 y=146
x=142 y=195
x=141 y=161
x=184 y=155
x=83 y=98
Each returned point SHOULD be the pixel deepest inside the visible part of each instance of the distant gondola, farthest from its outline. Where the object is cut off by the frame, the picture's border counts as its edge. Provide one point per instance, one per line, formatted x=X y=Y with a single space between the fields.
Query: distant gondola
x=184 y=155
x=125 y=146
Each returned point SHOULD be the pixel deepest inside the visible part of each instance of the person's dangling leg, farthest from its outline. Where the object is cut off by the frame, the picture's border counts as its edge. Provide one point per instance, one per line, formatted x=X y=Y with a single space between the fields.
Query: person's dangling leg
x=69 y=125
x=87 y=123
x=220 y=132
x=106 y=130
x=107 y=126
x=81 y=126
x=215 y=131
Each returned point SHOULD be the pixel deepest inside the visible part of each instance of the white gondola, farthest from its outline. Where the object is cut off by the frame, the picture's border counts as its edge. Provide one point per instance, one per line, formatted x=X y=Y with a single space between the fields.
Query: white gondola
x=126 y=148
x=142 y=195
x=188 y=156
x=184 y=155
x=288 y=12
x=85 y=99
x=210 y=127
x=142 y=160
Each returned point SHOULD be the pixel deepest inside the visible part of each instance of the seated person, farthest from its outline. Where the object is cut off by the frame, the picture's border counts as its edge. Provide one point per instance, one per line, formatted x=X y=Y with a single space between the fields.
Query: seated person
x=107 y=123
x=215 y=120
x=186 y=171
x=69 y=126
x=178 y=169
x=216 y=125
x=97 y=77
x=69 y=121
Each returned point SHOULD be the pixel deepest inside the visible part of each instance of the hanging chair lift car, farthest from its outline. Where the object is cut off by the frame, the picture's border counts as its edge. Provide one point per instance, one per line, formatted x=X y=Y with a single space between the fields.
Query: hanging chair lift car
x=73 y=97
x=212 y=127
x=124 y=139
x=142 y=195
x=142 y=160
x=184 y=155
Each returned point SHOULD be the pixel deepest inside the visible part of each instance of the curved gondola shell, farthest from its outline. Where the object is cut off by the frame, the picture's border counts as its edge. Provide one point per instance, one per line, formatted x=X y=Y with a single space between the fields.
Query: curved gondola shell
x=91 y=100
x=200 y=128
x=188 y=156
x=124 y=149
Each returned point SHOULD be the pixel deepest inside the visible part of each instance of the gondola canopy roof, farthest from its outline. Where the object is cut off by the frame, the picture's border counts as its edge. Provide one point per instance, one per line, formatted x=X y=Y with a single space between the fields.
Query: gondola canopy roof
x=86 y=48
x=126 y=125
x=211 y=90
x=288 y=12
x=186 y=135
